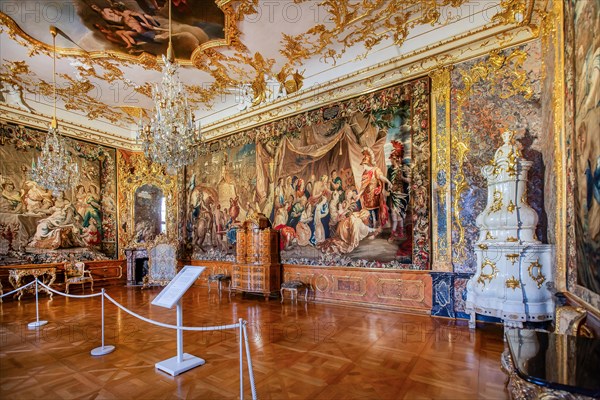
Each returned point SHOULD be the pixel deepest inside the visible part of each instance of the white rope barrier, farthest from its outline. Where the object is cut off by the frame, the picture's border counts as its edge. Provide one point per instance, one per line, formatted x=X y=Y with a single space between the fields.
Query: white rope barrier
x=241 y=325
x=18 y=289
x=76 y=296
x=185 y=328
x=243 y=336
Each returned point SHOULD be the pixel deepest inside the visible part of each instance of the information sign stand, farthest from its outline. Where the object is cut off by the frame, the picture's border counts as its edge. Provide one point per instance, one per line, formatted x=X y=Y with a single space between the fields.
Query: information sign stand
x=171 y=295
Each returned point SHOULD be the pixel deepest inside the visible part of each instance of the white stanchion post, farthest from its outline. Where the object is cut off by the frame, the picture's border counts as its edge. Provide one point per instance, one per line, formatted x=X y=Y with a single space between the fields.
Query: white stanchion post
x=100 y=351
x=37 y=323
x=182 y=361
x=241 y=361
x=249 y=360
x=179 y=333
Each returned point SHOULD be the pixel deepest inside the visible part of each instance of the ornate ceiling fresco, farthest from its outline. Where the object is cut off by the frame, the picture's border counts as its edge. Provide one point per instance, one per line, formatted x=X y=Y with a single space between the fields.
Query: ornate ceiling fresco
x=244 y=60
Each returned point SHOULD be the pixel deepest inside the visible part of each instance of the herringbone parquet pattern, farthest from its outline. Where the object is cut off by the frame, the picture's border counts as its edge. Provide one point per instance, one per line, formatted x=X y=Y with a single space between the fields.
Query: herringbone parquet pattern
x=312 y=351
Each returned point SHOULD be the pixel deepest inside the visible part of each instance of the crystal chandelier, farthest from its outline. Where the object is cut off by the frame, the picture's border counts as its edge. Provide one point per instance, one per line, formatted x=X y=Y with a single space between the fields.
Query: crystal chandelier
x=171 y=138
x=55 y=169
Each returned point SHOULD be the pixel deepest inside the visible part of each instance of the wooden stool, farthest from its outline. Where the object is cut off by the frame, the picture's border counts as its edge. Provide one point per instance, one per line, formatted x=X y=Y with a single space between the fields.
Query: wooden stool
x=219 y=278
x=293 y=287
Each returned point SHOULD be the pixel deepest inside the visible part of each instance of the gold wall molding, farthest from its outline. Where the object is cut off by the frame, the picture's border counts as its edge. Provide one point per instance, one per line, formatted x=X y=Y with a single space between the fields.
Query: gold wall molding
x=440 y=168
x=553 y=42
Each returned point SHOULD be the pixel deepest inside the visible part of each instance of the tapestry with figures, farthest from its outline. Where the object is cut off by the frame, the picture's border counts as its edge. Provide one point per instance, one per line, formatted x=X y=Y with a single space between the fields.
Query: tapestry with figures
x=346 y=184
x=38 y=226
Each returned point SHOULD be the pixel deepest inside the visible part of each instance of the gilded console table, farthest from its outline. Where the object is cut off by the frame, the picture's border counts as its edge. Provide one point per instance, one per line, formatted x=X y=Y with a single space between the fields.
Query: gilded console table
x=47 y=274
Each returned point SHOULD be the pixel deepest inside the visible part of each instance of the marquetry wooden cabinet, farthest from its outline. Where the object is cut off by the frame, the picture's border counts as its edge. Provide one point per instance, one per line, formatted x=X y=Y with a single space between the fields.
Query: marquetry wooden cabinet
x=257 y=268
x=106 y=272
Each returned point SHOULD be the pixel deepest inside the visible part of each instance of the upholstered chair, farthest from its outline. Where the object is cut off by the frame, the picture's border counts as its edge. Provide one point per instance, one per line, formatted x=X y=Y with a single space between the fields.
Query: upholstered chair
x=76 y=273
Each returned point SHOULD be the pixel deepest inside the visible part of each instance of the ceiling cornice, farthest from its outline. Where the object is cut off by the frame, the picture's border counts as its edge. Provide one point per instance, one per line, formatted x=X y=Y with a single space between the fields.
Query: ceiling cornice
x=391 y=72
x=42 y=122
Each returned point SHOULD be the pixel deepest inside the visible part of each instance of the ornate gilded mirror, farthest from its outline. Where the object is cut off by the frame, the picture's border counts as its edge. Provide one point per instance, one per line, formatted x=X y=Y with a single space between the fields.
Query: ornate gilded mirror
x=147 y=202
x=149 y=213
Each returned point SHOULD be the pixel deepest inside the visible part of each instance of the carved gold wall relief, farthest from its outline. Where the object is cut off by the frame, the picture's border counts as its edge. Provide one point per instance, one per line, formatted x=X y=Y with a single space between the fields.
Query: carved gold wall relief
x=497 y=67
x=134 y=170
x=553 y=42
x=366 y=22
x=440 y=167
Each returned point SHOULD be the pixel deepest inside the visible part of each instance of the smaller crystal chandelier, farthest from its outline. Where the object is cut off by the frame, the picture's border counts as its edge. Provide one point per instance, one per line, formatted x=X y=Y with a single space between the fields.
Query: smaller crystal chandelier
x=171 y=138
x=55 y=169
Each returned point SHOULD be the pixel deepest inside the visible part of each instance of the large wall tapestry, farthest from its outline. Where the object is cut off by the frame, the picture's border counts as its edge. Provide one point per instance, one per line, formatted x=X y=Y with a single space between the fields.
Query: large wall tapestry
x=36 y=226
x=347 y=184
x=583 y=122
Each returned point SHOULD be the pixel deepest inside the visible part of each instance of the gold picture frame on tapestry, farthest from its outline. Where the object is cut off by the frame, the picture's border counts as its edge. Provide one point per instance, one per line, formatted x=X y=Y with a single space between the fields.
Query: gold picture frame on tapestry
x=134 y=172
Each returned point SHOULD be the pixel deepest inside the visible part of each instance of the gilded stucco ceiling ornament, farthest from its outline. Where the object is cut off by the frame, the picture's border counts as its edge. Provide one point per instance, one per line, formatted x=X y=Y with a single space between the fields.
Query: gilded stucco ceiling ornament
x=81 y=95
x=16 y=73
x=136 y=113
x=145 y=89
x=290 y=81
x=222 y=60
x=513 y=12
x=366 y=22
x=518 y=12
x=260 y=88
x=78 y=93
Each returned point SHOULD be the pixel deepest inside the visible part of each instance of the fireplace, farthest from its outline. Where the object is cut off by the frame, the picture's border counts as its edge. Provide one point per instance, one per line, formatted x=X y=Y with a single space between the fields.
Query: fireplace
x=137 y=266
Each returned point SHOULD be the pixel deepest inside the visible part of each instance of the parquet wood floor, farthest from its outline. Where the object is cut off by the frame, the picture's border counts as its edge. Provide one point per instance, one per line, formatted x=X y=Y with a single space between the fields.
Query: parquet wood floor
x=312 y=351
